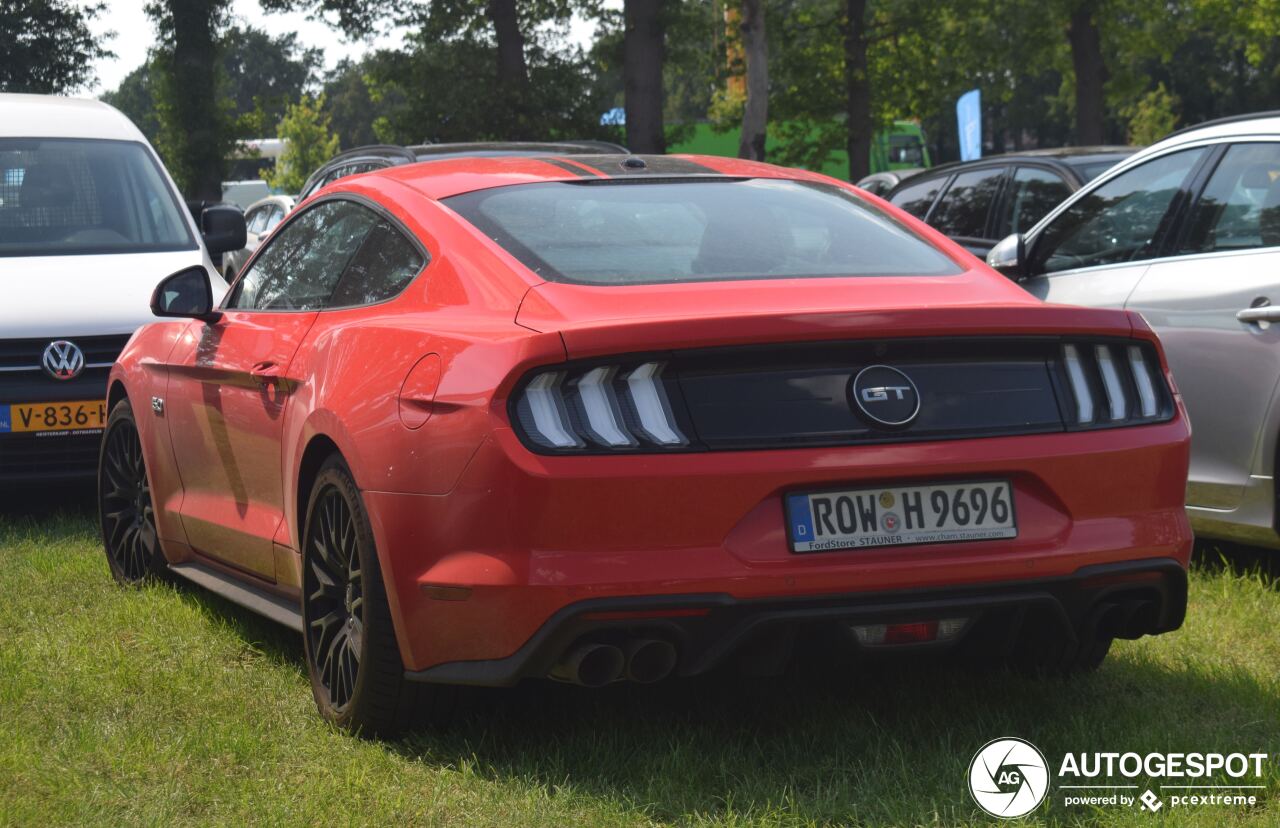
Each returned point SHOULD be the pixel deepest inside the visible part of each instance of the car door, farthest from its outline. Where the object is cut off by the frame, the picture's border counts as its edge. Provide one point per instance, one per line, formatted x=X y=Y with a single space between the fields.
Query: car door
x=1032 y=192
x=1226 y=260
x=964 y=210
x=229 y=385
x=1096 y=248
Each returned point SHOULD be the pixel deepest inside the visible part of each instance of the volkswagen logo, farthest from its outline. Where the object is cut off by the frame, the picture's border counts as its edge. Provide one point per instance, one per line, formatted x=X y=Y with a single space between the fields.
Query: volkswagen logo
x=885 y=396
x=63 y=360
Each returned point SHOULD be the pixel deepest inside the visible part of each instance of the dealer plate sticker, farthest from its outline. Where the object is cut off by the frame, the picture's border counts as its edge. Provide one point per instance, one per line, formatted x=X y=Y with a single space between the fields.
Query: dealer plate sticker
x=901 y=515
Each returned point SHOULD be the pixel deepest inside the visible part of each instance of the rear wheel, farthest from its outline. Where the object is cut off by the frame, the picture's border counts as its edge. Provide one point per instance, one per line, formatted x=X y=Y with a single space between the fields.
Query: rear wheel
x=125 y=510
x=353 y=659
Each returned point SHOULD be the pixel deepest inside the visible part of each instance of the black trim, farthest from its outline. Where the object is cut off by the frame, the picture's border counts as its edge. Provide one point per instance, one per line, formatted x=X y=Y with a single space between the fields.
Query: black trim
x=570 y=168
x=706 y=641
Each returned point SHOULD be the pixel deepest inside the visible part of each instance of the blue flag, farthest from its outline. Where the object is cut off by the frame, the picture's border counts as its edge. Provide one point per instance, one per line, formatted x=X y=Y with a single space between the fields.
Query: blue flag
x=969 y=119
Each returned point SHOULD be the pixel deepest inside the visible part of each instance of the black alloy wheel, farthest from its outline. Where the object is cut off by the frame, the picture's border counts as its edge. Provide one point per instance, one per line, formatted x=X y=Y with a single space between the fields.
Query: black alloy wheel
x=334 y=596
x=125 y=509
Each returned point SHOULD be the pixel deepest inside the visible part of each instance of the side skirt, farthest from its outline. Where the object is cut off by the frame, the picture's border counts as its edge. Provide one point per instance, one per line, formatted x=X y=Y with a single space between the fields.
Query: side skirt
x=270 y=606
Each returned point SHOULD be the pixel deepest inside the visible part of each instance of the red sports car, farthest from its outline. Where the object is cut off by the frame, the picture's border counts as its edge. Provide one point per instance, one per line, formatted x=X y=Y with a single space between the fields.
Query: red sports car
x=616 y=418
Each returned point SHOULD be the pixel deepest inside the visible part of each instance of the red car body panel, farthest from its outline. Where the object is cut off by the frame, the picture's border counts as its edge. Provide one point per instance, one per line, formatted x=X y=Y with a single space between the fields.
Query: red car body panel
x=481 y=541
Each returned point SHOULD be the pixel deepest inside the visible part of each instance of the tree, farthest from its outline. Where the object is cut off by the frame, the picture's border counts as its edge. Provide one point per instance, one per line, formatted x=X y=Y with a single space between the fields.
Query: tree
x=755 y=115
x=857 y=90
x=48 y=46
x=1091 y=73
x=195 y=135
x=308 y=143
x=642 y=75
x=263 y=74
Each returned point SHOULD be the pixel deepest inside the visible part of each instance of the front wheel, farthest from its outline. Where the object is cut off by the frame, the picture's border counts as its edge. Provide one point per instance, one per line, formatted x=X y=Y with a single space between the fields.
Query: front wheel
x=353 y=659
x=125 y=510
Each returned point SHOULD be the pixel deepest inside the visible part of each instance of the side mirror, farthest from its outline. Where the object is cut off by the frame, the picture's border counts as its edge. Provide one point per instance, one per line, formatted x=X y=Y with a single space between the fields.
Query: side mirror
x=223 y=229
x=1009 y=257
x=186 y=294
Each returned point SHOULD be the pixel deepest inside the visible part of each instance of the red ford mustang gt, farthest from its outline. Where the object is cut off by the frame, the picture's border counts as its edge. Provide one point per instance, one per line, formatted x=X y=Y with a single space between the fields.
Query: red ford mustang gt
x=603 y=419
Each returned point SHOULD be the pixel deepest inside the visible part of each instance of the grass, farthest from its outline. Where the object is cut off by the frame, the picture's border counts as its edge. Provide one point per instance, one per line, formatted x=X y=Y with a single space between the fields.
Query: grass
x=168 y=706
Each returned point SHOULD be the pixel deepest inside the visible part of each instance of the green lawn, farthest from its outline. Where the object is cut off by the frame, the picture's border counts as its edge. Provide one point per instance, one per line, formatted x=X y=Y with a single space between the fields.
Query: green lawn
x=167 y=706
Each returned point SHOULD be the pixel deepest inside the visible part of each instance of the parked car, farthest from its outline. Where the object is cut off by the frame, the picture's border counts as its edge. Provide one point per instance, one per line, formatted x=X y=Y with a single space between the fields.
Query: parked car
x=380 y=156
x=260 y=219
x=979 y=202
x=882 y=182
x=1187 y=233
x=471 y=422
x=89 y=219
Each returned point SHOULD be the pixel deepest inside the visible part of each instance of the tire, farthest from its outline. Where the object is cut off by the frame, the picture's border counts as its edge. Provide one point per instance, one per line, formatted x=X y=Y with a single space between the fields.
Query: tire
x=353 y=659
x=125 y=511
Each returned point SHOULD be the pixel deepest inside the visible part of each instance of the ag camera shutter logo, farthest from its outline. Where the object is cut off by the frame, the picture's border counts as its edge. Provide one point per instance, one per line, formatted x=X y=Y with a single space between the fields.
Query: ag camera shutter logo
x=1008 y=777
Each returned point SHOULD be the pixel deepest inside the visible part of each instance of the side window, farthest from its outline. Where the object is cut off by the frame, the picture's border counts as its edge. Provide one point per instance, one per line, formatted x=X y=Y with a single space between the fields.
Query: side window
x=1034 y=193
x=301 y=266
x=273 y=219
x=967 y=202
x=257 y=220
x=1117 y=222
x=384 y=265
x=916 y=198
x=1240 y=206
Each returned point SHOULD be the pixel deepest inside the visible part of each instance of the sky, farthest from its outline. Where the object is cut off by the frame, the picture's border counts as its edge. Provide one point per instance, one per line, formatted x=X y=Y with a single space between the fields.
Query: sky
x=135 y=34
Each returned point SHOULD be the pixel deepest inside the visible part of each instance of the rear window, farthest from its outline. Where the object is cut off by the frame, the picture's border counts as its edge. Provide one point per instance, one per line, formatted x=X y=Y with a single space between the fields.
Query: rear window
x=61 y=197
x=634 y=232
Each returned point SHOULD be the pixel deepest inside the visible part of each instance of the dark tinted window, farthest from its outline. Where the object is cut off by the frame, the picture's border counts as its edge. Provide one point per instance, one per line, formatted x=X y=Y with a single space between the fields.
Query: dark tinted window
x=300 y=267
x=966 y=203
x=634 y=232
x=386 y=262
x=1240 y=206
x=1034 y=192
x=1117 y=222
x=917 y=198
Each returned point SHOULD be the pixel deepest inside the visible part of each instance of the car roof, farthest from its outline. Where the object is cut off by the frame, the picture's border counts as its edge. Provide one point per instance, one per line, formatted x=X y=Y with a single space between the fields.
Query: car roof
x=1068 y=156
x=52 y=116
x=454 y=176
x=285 y=201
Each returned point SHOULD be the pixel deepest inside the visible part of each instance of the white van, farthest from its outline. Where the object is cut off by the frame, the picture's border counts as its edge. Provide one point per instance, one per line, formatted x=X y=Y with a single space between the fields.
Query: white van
x=90 y=222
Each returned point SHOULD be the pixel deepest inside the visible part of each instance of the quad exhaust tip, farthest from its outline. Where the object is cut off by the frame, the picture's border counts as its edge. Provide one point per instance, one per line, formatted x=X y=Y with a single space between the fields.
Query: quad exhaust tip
x=650 y=660
x=590 y=665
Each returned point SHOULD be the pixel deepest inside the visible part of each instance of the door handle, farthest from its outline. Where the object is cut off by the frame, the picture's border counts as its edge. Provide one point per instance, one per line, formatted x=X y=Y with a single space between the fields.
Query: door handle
x=265 y=373
x=1266 y=313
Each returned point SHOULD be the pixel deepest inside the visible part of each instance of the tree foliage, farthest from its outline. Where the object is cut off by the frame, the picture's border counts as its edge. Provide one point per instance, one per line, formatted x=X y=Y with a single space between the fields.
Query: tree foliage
x=308 y=143
x=48 y=46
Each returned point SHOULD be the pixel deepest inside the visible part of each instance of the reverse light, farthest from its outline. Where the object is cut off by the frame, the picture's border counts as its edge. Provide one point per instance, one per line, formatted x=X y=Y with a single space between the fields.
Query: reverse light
x=612 y=407
x=1115 y=383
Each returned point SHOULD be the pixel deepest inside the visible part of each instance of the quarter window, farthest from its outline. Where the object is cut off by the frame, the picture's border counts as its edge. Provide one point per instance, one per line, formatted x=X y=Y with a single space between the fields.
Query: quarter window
x=1034 y=193
x=1240 y=206
x=964 y=207
x=916 y=198
x=385 y=264
x=1117 y=222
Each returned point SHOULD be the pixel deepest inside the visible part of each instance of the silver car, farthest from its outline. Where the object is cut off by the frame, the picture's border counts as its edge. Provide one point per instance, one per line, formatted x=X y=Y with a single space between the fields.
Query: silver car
x=1187 y=233
x=260 y=218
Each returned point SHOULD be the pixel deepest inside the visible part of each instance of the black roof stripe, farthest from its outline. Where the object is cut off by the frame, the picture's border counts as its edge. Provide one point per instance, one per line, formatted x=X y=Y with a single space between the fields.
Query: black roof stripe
x=666 y=165
x=576 y=169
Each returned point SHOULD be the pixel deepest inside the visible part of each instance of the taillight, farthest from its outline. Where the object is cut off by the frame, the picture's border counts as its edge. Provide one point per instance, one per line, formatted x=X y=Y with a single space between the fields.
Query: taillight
x=1114 y=383
x=612 y=407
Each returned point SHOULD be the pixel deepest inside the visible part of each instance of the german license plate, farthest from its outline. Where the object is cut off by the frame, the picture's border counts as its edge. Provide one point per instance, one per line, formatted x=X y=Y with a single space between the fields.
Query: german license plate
x=901 y=515
x=53 y=416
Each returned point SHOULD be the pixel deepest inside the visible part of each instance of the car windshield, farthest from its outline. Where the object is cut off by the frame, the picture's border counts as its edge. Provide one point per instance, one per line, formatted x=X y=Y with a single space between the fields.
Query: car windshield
x=638 y=232
x=62 y=197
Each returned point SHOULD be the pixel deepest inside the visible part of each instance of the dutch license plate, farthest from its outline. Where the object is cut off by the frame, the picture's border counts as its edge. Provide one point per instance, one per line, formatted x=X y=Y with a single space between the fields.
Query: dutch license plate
x=53 y=416
x=900 y=515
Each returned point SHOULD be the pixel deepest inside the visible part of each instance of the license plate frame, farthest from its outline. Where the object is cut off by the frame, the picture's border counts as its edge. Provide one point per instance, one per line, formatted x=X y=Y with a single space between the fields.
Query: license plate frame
x=799 y=516
x=72 y=416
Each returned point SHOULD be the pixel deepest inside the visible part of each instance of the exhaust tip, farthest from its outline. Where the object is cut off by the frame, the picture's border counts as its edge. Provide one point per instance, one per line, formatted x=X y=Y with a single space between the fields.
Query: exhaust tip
x=650 y=660
x=590 y=665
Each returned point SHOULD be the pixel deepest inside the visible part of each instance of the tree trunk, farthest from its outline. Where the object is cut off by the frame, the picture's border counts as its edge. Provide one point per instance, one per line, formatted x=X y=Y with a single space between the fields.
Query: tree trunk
x=755 y=117
x=642 y=75
x=858 y=90
x=513 y=73
x=195 y=110
x=1091 y=74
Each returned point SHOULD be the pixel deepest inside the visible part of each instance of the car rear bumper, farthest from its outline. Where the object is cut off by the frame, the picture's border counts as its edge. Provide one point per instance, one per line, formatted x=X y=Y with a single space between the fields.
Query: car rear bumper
x=1124 y=600
x=474 y=574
